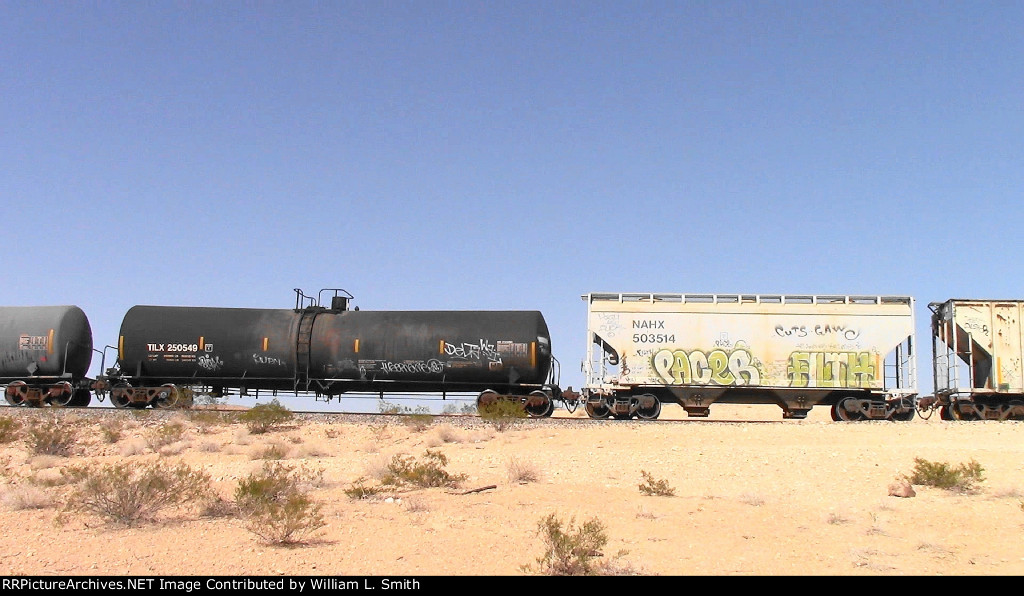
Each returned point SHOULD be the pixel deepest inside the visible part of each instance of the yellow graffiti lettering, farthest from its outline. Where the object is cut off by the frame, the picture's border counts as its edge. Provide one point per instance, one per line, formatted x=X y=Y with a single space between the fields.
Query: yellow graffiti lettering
x=830 y=369
x=718 y=367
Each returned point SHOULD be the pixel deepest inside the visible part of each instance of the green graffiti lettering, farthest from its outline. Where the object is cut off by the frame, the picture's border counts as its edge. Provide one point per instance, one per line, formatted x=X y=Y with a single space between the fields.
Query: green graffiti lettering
x=799 y=369
x=861 y=372
x=830 y=369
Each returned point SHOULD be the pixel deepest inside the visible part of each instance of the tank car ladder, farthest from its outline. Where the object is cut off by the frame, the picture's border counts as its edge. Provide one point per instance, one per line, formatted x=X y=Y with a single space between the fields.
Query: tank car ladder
x=302 y=348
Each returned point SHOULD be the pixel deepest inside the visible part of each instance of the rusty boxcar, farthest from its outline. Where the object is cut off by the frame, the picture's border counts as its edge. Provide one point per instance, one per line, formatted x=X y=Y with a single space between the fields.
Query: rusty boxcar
x=978 y=359
x=853 y=353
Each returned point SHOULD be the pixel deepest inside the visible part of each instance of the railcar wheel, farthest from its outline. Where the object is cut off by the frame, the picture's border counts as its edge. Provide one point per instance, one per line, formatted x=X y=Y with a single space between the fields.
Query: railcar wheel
x=169 y=397
x=15 y=392
x=841 y=414
x=953 y=411
x=906 y=416
x=81 y=399
x=539 y=405
x=486 y=399
x=597 y=410
x=652 y=411
x=119 y=397
x=64 y=399
x=1015 y=404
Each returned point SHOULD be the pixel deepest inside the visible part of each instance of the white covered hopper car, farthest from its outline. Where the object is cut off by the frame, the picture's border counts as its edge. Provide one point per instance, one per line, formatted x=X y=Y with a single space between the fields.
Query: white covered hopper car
x=852 y=353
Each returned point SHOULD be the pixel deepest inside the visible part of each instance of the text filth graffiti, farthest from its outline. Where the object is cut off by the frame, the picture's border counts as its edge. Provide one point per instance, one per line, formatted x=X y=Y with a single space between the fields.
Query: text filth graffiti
x=831 y=369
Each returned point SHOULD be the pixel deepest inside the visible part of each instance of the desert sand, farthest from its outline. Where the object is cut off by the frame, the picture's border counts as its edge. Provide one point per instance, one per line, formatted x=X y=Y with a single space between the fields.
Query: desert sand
x=754 y=495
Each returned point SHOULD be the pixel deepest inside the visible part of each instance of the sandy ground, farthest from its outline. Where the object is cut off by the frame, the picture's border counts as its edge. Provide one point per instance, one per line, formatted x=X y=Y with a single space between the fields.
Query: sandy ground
x=756 y=496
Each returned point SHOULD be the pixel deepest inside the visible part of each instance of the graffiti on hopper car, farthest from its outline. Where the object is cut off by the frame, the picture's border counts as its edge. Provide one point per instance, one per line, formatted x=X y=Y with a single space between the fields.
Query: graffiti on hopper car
x=699 y=367
x=840 y=331
x=831 y=369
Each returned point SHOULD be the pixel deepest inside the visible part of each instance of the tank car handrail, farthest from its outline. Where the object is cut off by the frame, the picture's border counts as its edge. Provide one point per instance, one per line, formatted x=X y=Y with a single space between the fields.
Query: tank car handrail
x=301 y=297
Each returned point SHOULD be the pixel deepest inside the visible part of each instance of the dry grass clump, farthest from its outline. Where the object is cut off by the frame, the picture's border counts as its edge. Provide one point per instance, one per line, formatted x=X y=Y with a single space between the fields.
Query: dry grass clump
x=521 y=471
x=165 y=435
x=752 y=499
x=130 y=493
x=276 y=506
x=448 y=434
x=26 y=497
x=273 y=451
x=111 y=430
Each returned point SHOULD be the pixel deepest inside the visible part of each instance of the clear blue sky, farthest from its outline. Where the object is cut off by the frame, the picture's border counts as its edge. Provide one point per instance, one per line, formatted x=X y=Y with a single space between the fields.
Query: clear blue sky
x=508 y=155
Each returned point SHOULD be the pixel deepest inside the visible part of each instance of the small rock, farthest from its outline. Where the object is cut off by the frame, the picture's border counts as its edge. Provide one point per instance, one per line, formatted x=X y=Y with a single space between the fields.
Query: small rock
x=902 y=488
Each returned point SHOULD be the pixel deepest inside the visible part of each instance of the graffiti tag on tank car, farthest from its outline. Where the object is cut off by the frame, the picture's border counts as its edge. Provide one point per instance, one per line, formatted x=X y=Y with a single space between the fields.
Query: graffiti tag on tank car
x=697 y=367
x=211 y=363
x=432 y=366
x=268 y=360
x=831 y=369
x=484 y=350
x=33 y=342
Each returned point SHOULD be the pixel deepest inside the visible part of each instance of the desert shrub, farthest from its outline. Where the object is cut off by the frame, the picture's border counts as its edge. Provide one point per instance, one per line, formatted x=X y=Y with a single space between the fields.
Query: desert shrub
x=9 y=428
x=359 y=490
x=571 y=550
x=111 y=430
x=276 y=506
x=942 y=475
x=206 y=420
x=655 y=487
x=130 y=493
x=272 y=451
x=51 y=435
x=385 y=407
x=165 y=434
x=503 y=413
x=425 y=473
x=266 y=417
x=419 y=420
x=520 y=471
